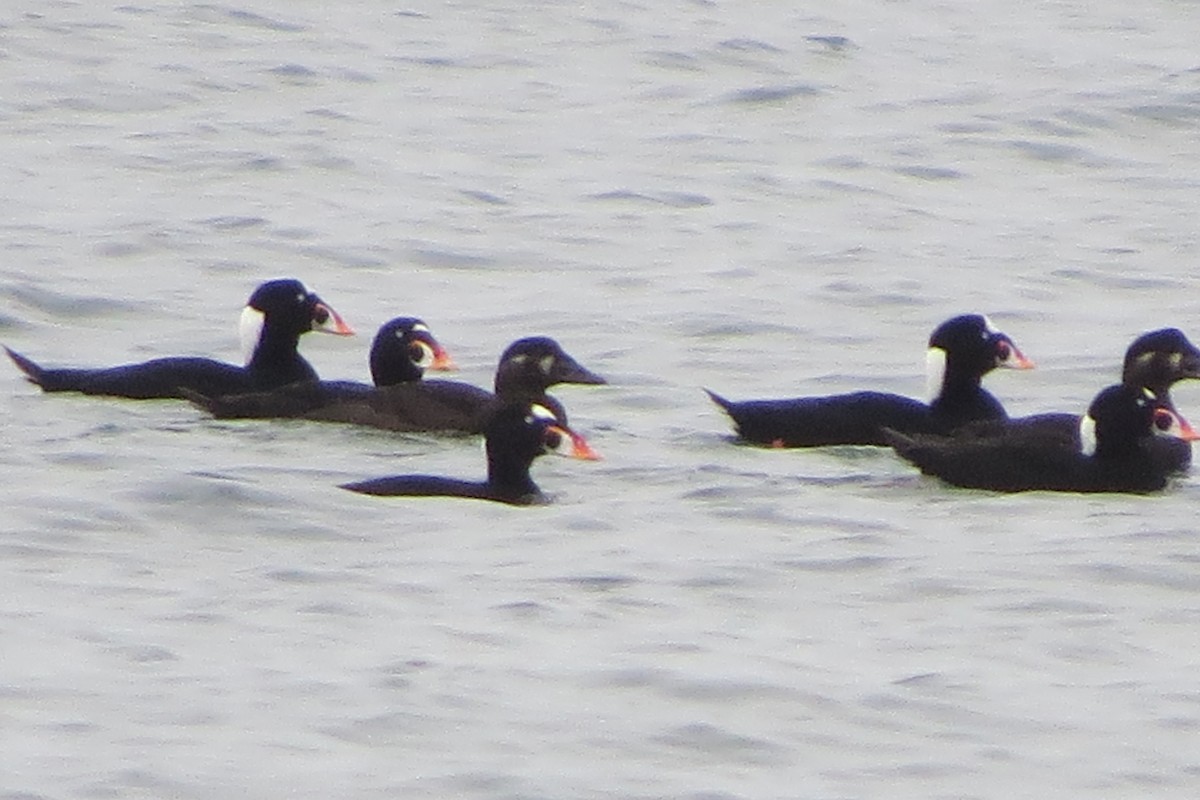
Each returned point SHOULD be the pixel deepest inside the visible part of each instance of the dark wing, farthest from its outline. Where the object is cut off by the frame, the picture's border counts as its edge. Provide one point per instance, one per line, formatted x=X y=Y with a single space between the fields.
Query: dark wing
x=418 y=406
x=1013 y=465
x=160 y=378
x=436 y=486
x=856 y=418
x=293 y=400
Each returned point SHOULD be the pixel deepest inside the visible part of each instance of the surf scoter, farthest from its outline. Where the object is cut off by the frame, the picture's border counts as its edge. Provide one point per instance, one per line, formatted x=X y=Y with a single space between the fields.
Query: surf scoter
x=526 y=369
x=277 y=314
x=514 y=436
x=1154 y=361
x=961 y=351
x=1114 y=455
x=402 y=350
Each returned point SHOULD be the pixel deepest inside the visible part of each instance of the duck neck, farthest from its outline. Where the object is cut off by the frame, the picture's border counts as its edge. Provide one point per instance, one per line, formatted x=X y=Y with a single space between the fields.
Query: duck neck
x=519 y=381
x=1115 y=446
x=387 y=370
x=1109 y=441
x=956 y=386
x=276 y=355
x=509 y=473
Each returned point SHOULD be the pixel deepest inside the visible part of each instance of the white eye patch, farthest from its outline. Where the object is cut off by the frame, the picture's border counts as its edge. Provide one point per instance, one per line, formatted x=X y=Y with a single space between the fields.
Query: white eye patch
x=546 y=364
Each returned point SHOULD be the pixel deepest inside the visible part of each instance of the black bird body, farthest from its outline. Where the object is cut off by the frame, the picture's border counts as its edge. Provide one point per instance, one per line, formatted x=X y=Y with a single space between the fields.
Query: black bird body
x=515 y=435
x=148 y=380
x=278 y=313
x=402 y=350
x=962 y=350
x=526 y=369
x=423 y=406
x=1112 y=450
x=1154 y=362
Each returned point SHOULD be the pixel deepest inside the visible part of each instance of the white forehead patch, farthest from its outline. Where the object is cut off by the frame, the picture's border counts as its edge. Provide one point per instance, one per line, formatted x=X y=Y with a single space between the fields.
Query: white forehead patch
x=537 y=412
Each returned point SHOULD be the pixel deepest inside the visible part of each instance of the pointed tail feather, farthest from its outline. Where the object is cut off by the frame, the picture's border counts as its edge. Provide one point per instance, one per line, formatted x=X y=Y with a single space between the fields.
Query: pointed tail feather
x=725 y=405
x=33 y=373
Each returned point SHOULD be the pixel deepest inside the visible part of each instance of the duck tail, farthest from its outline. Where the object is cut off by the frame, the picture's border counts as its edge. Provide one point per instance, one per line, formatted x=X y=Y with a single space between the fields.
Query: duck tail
x=721 y=402
x=34 y=373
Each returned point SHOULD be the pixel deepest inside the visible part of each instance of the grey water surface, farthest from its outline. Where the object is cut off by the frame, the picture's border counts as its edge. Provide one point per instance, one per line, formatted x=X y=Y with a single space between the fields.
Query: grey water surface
x=767 y=199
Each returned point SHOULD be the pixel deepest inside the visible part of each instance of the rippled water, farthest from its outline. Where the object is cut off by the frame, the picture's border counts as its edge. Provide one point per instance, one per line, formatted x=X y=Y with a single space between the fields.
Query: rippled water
x=767 y=200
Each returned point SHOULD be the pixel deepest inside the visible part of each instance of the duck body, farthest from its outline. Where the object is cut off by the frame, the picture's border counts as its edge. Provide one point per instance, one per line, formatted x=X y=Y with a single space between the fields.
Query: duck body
x=1013 y=467
x=526 y=369
x=854 y=418
x=527 y=494
x=514 y=436
x=423 y=406
x=278 y=313
x=1153 y=362
x=402 y=350
x=1113 y=449
x=148 y=380
x=961 y=351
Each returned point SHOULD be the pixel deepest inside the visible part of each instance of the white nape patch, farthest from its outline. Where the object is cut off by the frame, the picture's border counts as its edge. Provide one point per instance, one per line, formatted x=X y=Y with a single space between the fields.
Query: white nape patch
x=935 y=372
x=988 y=326
x=1087 y=435
x=250 y=330
x=537 y=412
